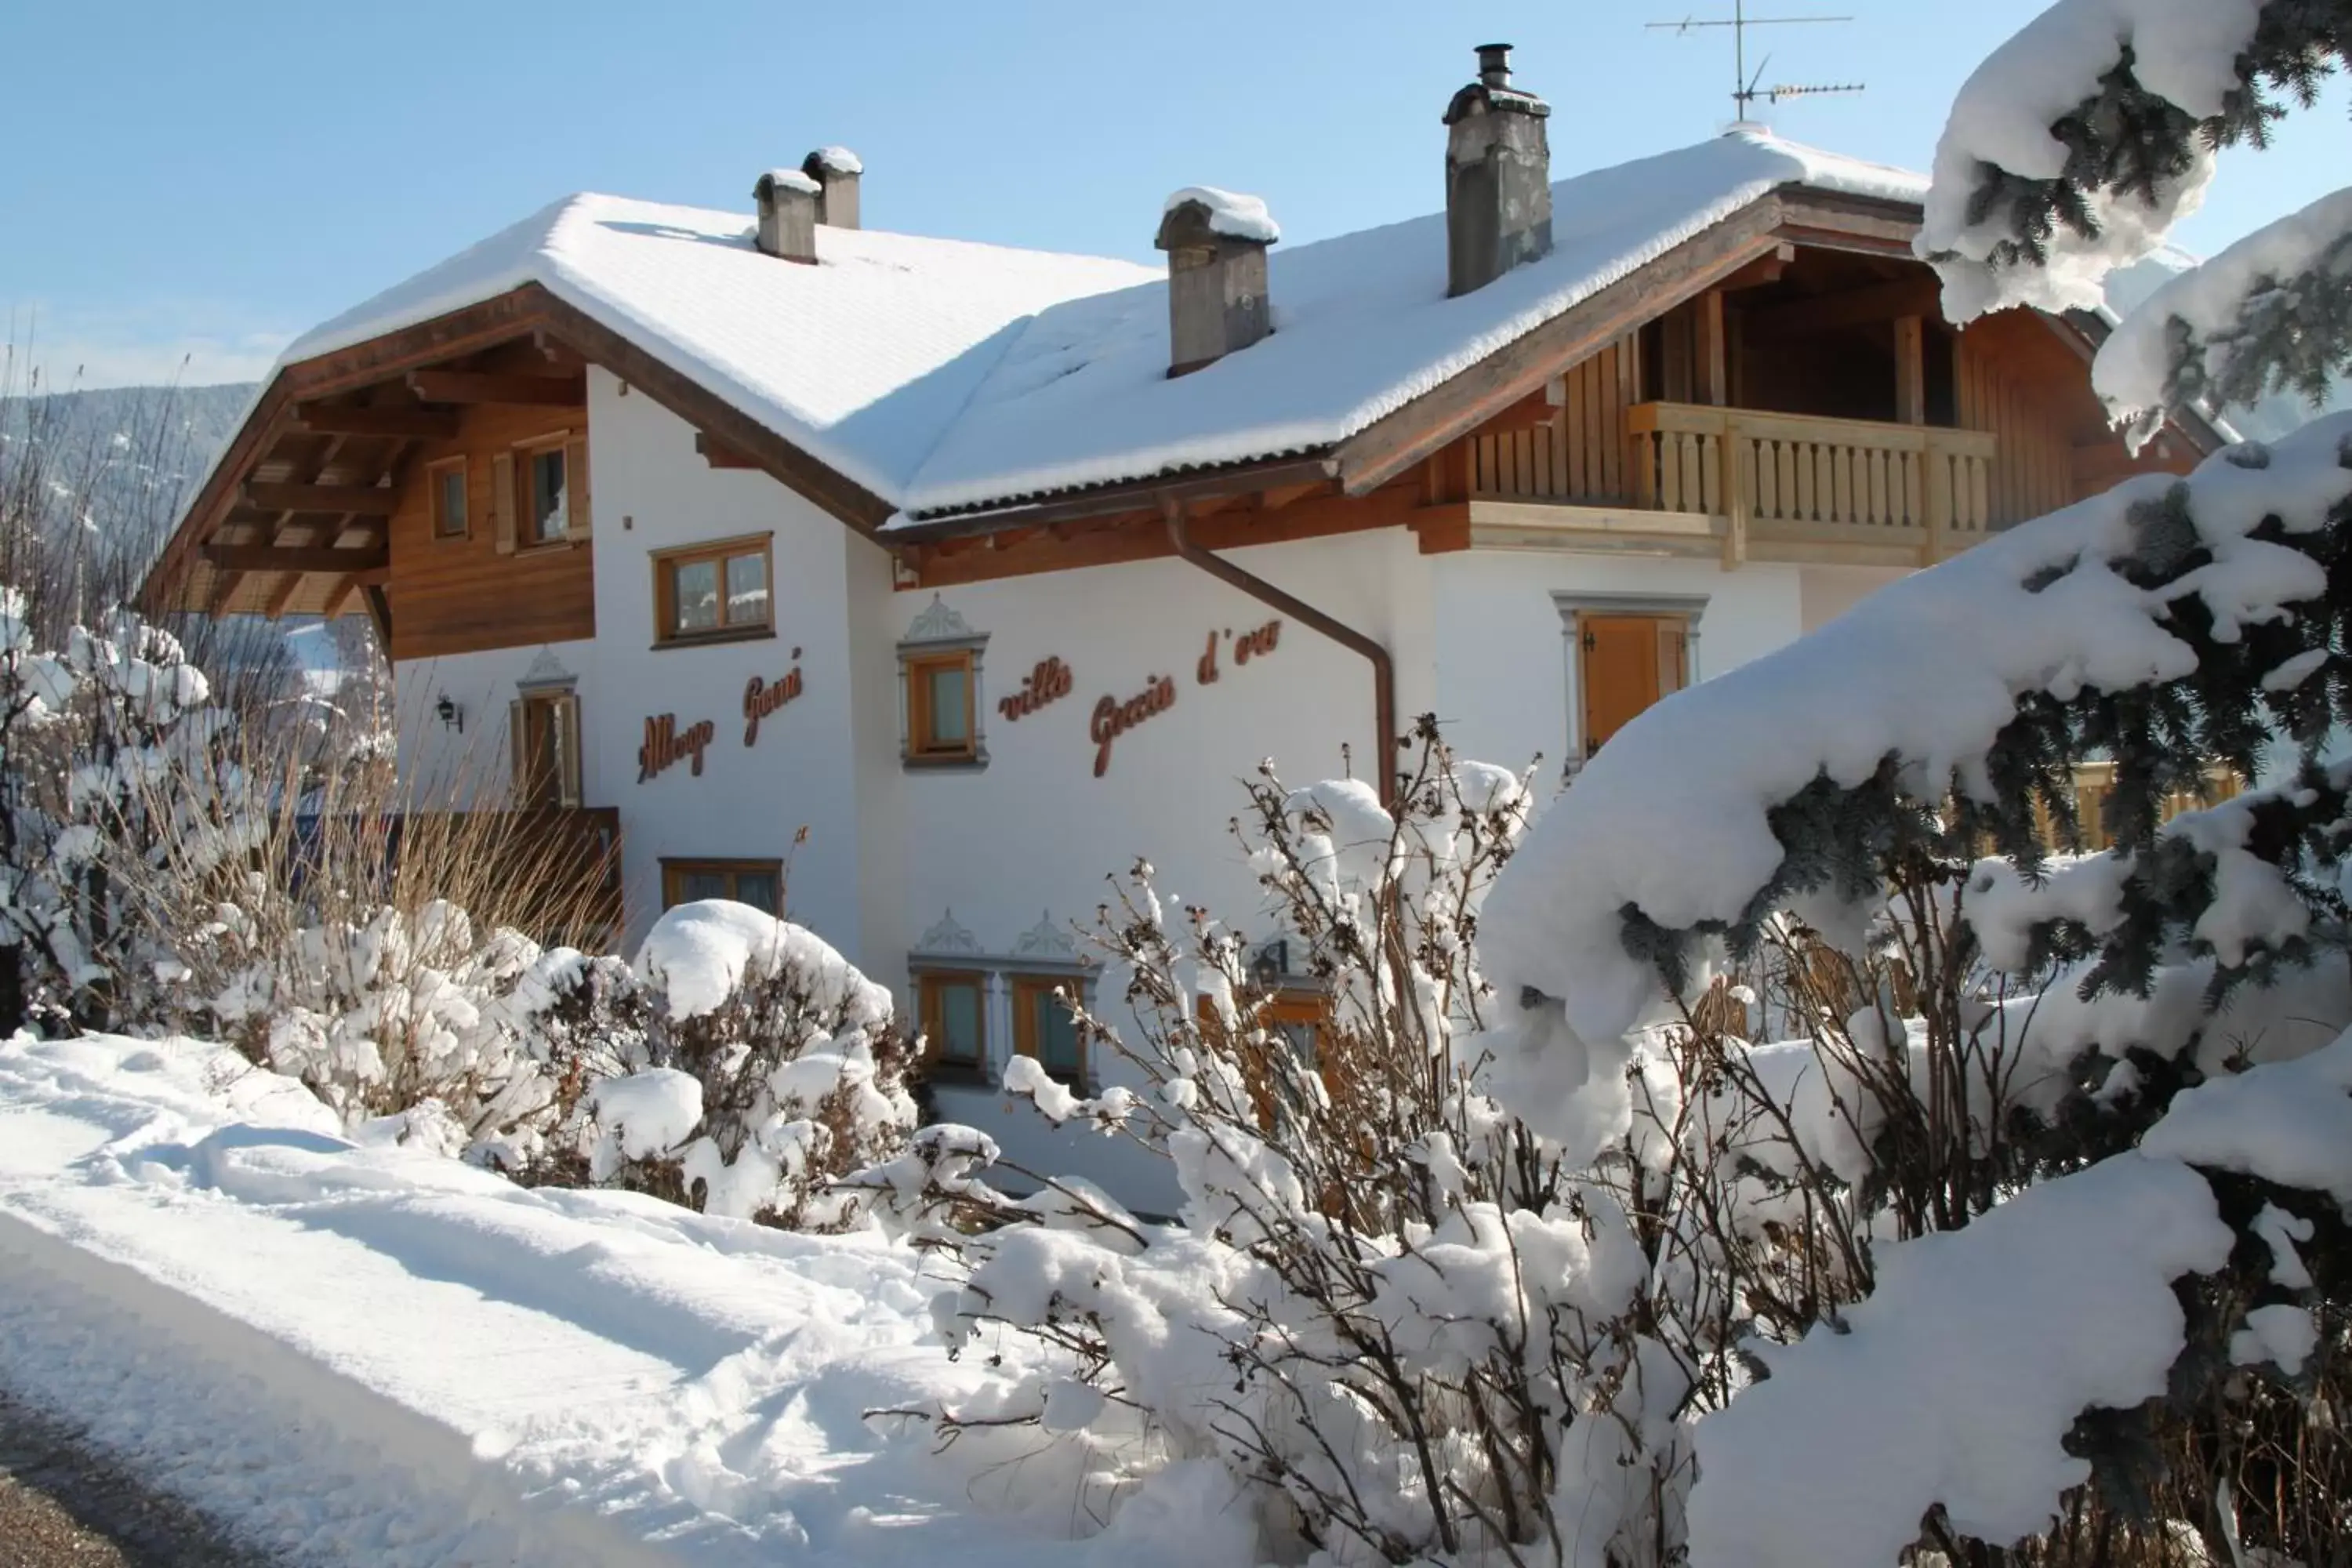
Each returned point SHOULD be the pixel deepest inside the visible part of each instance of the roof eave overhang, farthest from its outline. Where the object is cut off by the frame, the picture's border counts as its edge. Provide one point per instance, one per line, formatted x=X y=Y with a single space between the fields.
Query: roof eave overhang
x=518 y=313
x=1131 y=494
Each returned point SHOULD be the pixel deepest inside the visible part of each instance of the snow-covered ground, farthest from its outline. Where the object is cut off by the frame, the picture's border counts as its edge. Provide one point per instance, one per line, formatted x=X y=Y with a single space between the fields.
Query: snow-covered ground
x=376 y=1354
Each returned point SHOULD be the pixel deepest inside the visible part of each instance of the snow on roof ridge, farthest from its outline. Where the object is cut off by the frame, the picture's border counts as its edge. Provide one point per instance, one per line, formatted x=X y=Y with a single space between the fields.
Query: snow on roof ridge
x=925 y=368
x=1230 y=212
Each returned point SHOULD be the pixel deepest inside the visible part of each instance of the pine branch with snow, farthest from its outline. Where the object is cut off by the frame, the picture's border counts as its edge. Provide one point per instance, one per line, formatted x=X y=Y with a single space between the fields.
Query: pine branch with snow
x=2078 y=144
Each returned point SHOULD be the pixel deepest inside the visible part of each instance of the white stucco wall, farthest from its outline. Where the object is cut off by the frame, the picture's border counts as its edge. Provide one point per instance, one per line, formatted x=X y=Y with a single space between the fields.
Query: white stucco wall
x=1504 y=680
x=652 y=491
x=470 y=764
x=1831 y=591
x=1032 y=837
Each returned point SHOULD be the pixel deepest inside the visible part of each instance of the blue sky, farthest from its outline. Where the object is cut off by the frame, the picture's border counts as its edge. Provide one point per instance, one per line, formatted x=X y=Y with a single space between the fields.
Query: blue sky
x=207 y=180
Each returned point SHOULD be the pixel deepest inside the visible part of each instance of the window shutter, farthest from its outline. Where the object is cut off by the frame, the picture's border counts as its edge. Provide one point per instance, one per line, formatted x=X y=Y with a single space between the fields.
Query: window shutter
x=518 y=744
x=567 y=711
x=575 y=486
x=502 y=500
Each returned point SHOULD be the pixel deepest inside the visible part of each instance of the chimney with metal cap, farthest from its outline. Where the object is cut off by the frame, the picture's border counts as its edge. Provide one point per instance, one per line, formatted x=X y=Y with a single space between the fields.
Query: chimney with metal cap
x=835 y=170
x=788 y=201
x=1217 y=302
x=1497 y=177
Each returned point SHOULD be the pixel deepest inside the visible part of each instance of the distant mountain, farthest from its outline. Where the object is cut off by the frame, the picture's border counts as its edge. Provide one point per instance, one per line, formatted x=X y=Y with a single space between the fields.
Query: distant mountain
x=119 y=462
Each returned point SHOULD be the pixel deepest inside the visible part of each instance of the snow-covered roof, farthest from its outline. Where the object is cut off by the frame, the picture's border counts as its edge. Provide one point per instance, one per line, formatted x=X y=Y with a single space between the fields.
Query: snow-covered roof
x=1362 y=326
x=860 y=361
x=942 y=375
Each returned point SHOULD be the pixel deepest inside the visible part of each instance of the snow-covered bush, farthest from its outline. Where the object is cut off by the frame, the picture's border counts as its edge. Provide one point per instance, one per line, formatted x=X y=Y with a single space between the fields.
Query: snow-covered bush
x=122 y=799
x=770 y=1067
x=1398 y=1317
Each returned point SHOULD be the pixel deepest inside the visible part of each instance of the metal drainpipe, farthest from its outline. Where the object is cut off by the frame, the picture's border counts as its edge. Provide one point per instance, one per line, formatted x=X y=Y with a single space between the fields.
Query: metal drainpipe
x=1384 y=734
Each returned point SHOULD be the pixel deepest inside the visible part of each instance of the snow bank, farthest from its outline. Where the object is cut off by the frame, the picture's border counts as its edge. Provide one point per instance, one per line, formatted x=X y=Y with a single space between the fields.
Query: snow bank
x=1927 y=670
x=1958 y=1379
x=1230 y=213
x=2184 y=50
x=376 y=1354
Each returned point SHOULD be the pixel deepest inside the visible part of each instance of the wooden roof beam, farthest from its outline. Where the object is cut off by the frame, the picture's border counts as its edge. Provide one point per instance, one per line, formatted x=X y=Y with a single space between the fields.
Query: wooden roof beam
x=342 y=500
x=329 y=419
x=1920 y=295
x=243 y=558
x=467 y=386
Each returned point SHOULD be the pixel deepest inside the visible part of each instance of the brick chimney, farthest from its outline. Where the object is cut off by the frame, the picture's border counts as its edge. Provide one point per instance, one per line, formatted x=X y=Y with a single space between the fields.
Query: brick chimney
x=835 y=170
x=788 y=201
x=1497 y=177
x=1217 y=302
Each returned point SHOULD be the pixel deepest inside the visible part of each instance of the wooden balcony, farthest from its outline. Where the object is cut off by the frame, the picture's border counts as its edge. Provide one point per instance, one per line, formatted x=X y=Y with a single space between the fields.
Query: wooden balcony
x=1749 y=485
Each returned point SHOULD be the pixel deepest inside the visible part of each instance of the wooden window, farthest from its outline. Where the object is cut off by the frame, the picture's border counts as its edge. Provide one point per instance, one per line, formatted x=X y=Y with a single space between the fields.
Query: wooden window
x=446 y=488
x=943 y=723
x=953 y=1006
x=1293 y=1019
x=714 y=593
x=1043 y=1028
x=758 y=883
x=544 y=728
x=1626 y=663
x=540 y=492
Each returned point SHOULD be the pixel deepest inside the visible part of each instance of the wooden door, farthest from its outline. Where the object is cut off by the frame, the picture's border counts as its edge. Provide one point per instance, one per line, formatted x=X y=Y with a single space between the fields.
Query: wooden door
x=1629 y=662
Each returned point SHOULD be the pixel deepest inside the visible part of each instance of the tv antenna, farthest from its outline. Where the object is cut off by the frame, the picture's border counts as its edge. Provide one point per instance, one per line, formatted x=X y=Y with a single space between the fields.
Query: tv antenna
x=1745 y=88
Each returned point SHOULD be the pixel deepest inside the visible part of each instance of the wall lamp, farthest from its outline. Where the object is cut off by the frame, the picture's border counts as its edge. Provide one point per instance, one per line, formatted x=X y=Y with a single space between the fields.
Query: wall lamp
x=452 y=716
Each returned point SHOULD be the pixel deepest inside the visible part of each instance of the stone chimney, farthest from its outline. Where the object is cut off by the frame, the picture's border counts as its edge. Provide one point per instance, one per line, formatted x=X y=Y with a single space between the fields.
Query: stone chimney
x=788 y=201
x=835 y=170
x=1497 y=177
x=1217 y=302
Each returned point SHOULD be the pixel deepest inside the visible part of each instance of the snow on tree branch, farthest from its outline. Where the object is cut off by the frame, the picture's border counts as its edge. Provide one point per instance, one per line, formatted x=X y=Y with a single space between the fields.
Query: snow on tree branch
x=2078 y=144
x=2142 y=620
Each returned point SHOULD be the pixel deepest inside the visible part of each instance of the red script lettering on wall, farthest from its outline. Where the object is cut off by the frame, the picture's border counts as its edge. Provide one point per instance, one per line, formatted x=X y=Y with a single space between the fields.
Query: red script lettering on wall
x=761 y=699
x=665 y=744
x=1049 y=682
x=1113 y=717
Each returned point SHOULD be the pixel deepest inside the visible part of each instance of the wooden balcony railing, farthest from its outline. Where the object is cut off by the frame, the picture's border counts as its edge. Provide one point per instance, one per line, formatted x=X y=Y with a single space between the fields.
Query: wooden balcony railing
x=1804 y=483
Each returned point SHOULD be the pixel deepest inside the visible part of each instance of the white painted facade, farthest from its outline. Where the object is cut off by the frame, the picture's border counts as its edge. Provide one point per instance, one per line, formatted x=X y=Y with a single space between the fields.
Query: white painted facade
x=991 y=867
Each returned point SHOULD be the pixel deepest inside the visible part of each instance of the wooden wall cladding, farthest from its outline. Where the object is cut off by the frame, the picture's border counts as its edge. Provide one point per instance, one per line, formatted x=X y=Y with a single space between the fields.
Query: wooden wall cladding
x=460 y=595
x=1580 y=454
x=2033 y=470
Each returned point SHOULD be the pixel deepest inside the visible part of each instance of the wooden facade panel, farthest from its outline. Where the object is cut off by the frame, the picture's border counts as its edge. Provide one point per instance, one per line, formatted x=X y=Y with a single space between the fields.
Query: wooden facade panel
x=460 y=594
x=1577 y=454
x=2033 y=469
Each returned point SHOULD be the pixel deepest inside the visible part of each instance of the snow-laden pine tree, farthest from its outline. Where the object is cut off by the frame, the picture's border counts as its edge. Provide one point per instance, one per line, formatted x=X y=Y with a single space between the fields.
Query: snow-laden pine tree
x=2065 y=1144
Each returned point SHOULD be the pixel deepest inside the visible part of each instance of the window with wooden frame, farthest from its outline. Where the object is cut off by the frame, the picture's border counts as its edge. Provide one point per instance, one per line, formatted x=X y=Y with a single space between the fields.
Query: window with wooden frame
x=942 y=707
x=1292 y=1020
x=953 y=1006
x=758 y=883
x=1626 y=653
x=714 y=593
x=544 y=729
x=444 y=489
x=539 y=489
x=1042 y=1027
